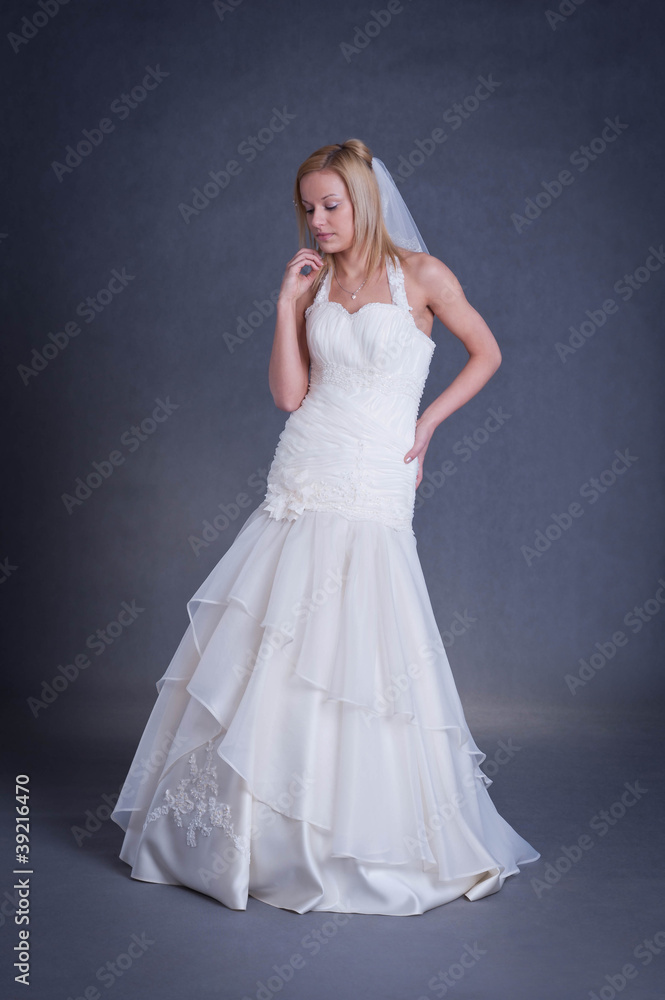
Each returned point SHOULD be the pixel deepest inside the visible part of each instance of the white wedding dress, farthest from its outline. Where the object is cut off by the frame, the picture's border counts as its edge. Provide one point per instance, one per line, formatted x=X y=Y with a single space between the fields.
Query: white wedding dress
x=307 y=746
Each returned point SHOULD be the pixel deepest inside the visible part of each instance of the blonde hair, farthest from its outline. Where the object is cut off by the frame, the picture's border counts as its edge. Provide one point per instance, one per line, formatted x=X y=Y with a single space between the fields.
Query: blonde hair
x=352 y=160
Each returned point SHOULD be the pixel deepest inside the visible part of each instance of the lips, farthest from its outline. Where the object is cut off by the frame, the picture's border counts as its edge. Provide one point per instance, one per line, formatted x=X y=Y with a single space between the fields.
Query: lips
x=324 y=236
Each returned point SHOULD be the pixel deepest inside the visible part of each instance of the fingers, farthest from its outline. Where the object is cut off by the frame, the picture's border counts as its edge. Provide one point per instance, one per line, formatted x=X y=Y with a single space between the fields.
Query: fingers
x=306 y=256
x=409 y=457
x=314 y=265
x=294 y=279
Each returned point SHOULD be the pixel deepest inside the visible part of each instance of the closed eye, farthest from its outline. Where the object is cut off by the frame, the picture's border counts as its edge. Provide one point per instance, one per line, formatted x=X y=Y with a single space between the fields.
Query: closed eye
x=308 y=211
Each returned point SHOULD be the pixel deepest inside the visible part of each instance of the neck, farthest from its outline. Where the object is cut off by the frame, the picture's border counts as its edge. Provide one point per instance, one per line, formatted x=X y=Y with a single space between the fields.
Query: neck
x=349 y=267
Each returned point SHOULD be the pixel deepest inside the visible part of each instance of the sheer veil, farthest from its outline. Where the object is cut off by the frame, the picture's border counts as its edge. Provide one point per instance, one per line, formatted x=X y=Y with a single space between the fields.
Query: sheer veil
x=398 y=219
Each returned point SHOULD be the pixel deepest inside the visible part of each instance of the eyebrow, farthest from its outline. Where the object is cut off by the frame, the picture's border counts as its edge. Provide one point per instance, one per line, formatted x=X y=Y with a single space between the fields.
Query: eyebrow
x=305 y=202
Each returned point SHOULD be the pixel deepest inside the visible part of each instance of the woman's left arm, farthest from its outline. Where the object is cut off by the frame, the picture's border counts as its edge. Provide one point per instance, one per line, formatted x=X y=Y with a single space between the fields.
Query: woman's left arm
x=446 y=298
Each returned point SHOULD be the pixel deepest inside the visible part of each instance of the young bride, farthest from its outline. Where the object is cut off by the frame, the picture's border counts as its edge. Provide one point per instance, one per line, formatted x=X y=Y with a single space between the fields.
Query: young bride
x=308 y=746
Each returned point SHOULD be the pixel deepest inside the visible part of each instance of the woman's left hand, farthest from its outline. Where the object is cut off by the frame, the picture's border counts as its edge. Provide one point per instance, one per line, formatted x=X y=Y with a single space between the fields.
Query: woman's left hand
x=420 y=445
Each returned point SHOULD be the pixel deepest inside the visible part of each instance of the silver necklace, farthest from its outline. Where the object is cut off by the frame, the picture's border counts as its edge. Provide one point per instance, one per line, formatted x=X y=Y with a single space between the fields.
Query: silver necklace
x=352 y=294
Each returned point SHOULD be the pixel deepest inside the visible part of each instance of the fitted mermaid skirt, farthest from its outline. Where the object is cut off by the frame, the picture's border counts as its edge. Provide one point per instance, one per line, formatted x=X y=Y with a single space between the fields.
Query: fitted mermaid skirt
x=307 y=746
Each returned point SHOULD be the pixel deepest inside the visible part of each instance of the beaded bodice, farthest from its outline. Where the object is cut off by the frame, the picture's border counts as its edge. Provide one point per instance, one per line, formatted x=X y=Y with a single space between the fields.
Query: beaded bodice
x=343 y=448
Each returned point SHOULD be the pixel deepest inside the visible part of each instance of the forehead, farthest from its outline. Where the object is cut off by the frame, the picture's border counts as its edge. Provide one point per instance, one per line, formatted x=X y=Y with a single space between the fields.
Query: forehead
x=319 y=184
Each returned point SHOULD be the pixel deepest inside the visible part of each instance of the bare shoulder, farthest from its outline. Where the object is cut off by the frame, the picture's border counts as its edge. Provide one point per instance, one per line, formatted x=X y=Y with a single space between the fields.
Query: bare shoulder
x=430 y=279
x=431 y=289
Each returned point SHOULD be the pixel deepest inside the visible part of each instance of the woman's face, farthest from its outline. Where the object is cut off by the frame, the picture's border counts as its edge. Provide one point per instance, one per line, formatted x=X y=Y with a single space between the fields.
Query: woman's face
x=329 y=210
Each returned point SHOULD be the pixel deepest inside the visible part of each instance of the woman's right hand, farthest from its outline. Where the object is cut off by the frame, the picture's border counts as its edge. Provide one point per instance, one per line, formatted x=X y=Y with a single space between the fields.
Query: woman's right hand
x=295 y=284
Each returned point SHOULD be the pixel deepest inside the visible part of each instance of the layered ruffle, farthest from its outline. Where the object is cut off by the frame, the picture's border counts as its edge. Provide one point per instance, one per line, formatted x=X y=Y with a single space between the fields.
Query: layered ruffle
x=310 y=716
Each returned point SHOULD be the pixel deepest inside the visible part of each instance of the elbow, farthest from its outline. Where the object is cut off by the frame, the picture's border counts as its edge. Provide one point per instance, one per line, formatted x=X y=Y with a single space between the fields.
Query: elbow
x=492 y=358
x=487 y=357
x=286 y=404
x=289 y=398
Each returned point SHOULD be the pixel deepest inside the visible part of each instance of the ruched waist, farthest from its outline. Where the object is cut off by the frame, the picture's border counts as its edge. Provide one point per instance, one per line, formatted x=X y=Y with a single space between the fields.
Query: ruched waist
x=334 y=454
x=390 y=383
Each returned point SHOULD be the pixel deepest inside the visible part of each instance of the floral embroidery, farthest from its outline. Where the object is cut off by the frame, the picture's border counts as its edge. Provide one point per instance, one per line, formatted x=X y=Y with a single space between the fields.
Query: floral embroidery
x=293 y=495
x=197 y=802
x=352 y=495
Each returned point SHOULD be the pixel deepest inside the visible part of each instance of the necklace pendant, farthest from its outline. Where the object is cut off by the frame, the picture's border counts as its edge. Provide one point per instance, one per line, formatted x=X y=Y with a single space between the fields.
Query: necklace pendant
x=353 y=296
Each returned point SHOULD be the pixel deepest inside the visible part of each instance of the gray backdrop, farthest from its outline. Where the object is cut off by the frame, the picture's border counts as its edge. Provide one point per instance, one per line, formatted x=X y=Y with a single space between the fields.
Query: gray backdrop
x=528 y=144
x=189 y=327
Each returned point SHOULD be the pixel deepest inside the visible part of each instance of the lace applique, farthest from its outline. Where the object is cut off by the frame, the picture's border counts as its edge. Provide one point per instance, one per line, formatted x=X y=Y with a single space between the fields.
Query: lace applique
x=322 y=293
x=197 y=802
x=397 y=293
x=366 y=378
x=353 y=500
x=397 y=289
x=395 y=283
x=352 y=494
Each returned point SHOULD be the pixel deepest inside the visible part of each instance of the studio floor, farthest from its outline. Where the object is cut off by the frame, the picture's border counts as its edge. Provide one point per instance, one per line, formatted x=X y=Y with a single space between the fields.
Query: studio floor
x=585 y=921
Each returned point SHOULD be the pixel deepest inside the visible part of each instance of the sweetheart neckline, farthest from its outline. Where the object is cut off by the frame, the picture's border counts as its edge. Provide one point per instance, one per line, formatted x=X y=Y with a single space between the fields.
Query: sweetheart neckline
x=390 y=305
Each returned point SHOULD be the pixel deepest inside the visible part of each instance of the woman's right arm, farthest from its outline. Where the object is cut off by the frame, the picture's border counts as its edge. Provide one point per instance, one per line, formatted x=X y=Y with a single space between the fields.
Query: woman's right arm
x=288 y=373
